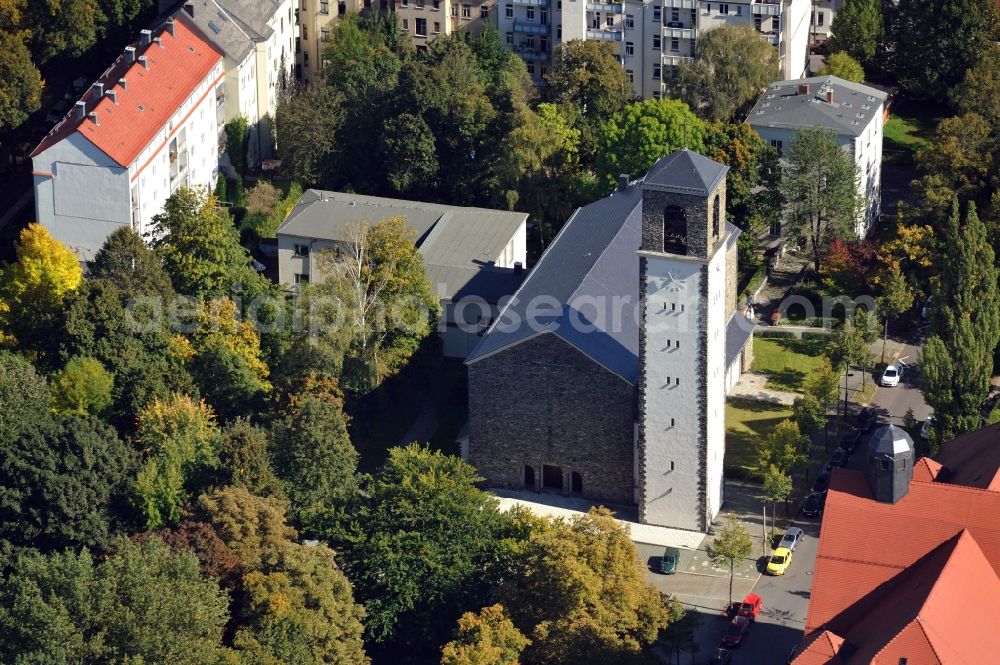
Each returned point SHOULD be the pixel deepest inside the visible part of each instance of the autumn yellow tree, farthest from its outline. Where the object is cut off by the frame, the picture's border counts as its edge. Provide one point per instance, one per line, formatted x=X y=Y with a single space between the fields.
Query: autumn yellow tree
x=33 y=288
x=487 y=637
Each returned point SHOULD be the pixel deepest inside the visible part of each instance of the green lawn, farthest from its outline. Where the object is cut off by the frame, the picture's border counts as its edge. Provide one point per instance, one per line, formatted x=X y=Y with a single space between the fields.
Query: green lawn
x=786 y=362
x=910 y=126
x=748 y=422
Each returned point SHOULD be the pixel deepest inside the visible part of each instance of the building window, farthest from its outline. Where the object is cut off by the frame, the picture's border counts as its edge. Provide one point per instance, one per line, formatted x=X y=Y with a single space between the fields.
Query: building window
x=674 y=230
x=543 y=45
x=531 y=68
x=420 y=4
x=723 y=9
x=406 y=25
x=530 y=13
x=305 y=33
x=629 y=48
x=404 y=3
x=420 y=27
x=466 y=11
x=820 y=18
x=454 y=10
x=629 y=21
x=675 y=15
x=675 y=45
x=436 y=5
x=609 y=20
x=776 y=144
x=656 y=42
x=510 y=39
x=672 y=422
x=324 y=7
x=631 y=75
x=437 y=27
x=508 y=11
x=301 y=278
x=301 y=250
x=484 y=12
x=715 y=218
x=324 y=34
x=739 y=10
x=656 y=72
x=559 y=31
x=656 y=14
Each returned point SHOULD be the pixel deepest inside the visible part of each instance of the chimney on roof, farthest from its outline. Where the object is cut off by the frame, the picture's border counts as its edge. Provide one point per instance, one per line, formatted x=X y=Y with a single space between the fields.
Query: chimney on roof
x=145 y=37
x=803 y=88
x=81 y=110
x=98 y=90
x=829 y=95
x=622 y=182
x=144 y=61
x=159 y=41
x=113 y=95
x=123 y=82
x=130 y=54
x=170 y=27
x=93 y=117
x=518 y=267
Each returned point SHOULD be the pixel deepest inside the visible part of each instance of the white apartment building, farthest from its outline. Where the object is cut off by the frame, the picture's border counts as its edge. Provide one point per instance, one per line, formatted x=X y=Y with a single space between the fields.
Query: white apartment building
x=824 y=11
x=854 y=112
x=651 y=37
x=146 y=127
x=257 y=38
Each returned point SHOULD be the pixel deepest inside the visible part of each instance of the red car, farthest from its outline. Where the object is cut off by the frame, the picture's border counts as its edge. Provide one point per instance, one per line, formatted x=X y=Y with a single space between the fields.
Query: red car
x=737 y=631
x=750 y=607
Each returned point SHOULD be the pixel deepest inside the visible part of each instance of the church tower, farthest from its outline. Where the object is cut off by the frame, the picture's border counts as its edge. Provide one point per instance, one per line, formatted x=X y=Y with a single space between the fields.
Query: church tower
x=685 y=261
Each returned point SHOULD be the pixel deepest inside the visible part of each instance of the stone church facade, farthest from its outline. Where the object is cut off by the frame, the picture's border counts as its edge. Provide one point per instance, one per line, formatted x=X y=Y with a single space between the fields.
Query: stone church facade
x=606 y=374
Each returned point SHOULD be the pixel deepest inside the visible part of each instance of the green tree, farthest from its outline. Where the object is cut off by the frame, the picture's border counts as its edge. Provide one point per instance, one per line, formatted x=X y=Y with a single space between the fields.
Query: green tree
x=867 y=325
x=631 y=141
x=777 y=487
x=822 y=384
x=923 y=31
x=897 y=297
x=24 y=395
x=487 y=637
x=731 y=546
x=179 y=439
x=314 y=458
x=301 y=611
x=731 y=67
x=425 y=547
x=215 y=558
x=380 y=275
x=858 y=31
x=144 y=604
x=63 y=485
x=244 y=460
x=980 y=89
x=849 y=348
x=66 y=28
x=359 y=64
x=20 y=82
x=963 y=154
x=127 y=261
x=409 y=151
x=819 y=184
x=842 y=65
x=201 y=250
x=83 y=387
x=785 y=448
x=564 y=600
x=253 y=527
x=809 y=414
x=957 y=359
x=306 y=124
x=681 y=632
x=237 y=138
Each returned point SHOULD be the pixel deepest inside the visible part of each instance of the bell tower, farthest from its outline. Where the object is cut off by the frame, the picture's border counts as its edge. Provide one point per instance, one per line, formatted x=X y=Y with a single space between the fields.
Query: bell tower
x=684 y=280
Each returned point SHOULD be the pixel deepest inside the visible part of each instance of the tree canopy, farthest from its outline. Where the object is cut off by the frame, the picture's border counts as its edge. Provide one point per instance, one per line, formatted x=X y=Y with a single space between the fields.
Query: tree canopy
x=857 y=31
x=842 y=65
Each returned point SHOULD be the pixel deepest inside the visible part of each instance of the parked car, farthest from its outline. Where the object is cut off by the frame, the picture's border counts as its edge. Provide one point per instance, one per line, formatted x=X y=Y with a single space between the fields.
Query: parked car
x=737 y=631
x=866 y=419
x=849 y=440
x=839 y=459
x=779 y=561
x=792 y=538
x=721 y=656
x=668 y=562
x=822 y=483
x=925 y=429
x=750 y=607
x=813 y=507
x=890 y=376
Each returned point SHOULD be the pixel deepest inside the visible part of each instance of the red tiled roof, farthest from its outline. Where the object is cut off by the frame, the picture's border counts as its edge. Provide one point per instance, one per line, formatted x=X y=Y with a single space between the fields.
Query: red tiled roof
x=973 y=459
x=926 y=470
x=152 y=96
x=820 y=648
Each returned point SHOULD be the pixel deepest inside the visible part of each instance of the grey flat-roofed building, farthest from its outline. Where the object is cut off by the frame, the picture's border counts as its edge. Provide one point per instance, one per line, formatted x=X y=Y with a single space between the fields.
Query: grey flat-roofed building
x=475 y=257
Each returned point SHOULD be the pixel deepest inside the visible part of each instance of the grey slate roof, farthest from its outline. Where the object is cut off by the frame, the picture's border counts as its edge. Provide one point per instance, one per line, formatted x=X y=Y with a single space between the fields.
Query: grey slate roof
x=232 y=25
x=685 y=172
x=852 y=108
x=459 y=245
x=890 y=440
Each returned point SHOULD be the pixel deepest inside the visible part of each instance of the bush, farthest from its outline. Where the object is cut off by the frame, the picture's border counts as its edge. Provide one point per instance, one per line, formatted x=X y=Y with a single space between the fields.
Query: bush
x=239 y=194
x=777 y=334
x=221 y=188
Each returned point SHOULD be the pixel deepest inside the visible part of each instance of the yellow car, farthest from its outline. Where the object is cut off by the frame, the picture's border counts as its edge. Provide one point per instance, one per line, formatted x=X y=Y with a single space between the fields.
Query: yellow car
x=780 y=559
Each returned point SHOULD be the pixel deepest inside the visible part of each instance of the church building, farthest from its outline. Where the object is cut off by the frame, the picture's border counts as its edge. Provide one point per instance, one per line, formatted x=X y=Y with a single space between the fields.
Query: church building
x=605 y=375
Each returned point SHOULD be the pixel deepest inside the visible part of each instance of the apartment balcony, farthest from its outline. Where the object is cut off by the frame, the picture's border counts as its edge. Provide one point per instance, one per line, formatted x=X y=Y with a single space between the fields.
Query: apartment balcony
x=613 y=34
x=531 y=55
x=765 y=9
x=675 y=60
x=529 y=28
x=532 y=3
x=678 y=33
x=771 y=38
x=680 y=4
x=607 y=7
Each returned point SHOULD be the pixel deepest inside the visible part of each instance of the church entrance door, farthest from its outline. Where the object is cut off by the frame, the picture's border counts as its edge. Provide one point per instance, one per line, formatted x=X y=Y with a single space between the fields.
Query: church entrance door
x=529 y=477
x=552 y=477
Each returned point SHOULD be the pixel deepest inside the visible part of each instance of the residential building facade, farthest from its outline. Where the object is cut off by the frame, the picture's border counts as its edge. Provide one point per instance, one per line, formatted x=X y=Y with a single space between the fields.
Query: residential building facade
x=475 y=257
x=427 y=19
x=257 y=39
x=315 y=19
x=651 y=37
x=855 y=113
x=824 y=11
x=605 y=375
x=148 y=126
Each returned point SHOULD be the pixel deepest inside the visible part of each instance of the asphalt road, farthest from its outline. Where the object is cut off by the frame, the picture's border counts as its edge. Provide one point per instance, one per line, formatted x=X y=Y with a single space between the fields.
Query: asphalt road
x=895 y=401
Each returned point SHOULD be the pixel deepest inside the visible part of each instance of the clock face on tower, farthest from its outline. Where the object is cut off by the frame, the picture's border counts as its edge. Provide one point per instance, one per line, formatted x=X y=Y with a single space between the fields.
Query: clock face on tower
x=671 y=283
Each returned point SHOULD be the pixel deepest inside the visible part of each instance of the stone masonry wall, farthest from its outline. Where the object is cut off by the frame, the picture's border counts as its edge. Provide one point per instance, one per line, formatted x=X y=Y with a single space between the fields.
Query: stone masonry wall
x=544 y=402
x=698 y=211
x=732 y=270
